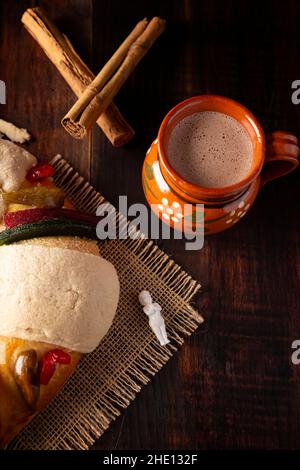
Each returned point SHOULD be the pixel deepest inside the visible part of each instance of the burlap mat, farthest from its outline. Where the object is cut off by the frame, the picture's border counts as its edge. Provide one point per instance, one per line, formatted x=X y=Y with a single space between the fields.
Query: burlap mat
x=107 y=380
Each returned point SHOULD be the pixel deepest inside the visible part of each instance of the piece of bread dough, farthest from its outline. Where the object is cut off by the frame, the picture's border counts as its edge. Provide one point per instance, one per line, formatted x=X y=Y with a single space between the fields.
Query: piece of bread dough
x=14 y=164
x=14 y=133
x=56 y=295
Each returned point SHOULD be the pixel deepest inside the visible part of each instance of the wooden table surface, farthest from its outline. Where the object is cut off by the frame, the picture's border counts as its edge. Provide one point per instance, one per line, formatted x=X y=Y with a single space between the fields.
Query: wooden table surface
x=233 y=384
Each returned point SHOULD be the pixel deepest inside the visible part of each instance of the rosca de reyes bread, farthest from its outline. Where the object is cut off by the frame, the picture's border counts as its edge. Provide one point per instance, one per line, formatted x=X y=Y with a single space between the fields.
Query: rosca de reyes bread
x=58 y=295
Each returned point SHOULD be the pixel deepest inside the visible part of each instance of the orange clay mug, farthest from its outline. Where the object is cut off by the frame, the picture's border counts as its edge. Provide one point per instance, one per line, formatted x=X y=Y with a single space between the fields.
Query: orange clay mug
x=225 y=206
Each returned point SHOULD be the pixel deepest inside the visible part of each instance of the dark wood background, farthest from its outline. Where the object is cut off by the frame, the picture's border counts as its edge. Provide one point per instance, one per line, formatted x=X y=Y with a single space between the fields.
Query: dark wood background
x=232 y=385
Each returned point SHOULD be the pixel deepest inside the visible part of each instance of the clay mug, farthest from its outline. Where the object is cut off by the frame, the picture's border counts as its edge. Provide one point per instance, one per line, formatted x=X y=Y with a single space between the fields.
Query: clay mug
x=167 y=192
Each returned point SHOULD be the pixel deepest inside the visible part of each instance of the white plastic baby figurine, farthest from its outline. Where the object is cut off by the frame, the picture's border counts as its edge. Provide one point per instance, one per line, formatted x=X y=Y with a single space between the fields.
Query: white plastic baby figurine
x=156 y=321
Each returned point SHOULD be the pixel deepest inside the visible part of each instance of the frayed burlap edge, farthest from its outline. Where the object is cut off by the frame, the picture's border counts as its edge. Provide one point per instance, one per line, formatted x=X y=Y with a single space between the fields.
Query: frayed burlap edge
x=114 y=393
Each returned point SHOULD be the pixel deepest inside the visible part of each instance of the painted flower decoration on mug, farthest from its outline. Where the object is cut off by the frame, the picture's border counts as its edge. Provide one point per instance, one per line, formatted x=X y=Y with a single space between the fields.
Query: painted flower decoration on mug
x=236 y=214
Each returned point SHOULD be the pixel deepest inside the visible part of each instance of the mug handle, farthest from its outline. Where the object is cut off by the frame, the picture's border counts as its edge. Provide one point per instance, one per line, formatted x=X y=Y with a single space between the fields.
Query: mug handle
x=282 y=154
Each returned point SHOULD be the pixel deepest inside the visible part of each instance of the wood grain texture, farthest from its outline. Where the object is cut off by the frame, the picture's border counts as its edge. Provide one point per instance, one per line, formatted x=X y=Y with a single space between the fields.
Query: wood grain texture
x=233 y=384
x=37 y=96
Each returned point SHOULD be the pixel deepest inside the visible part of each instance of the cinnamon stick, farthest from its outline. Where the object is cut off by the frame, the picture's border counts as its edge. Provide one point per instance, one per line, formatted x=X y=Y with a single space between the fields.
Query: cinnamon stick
x=97 y=97
x=62 y=54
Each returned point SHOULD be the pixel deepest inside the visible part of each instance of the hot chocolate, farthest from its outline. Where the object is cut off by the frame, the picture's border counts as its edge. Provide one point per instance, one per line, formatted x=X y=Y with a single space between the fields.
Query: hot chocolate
x=210 y=149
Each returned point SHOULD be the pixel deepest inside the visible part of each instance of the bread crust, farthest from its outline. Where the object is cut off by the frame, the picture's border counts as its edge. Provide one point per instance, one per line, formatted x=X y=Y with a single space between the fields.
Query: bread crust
x=14 y=412
x=71 y=243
